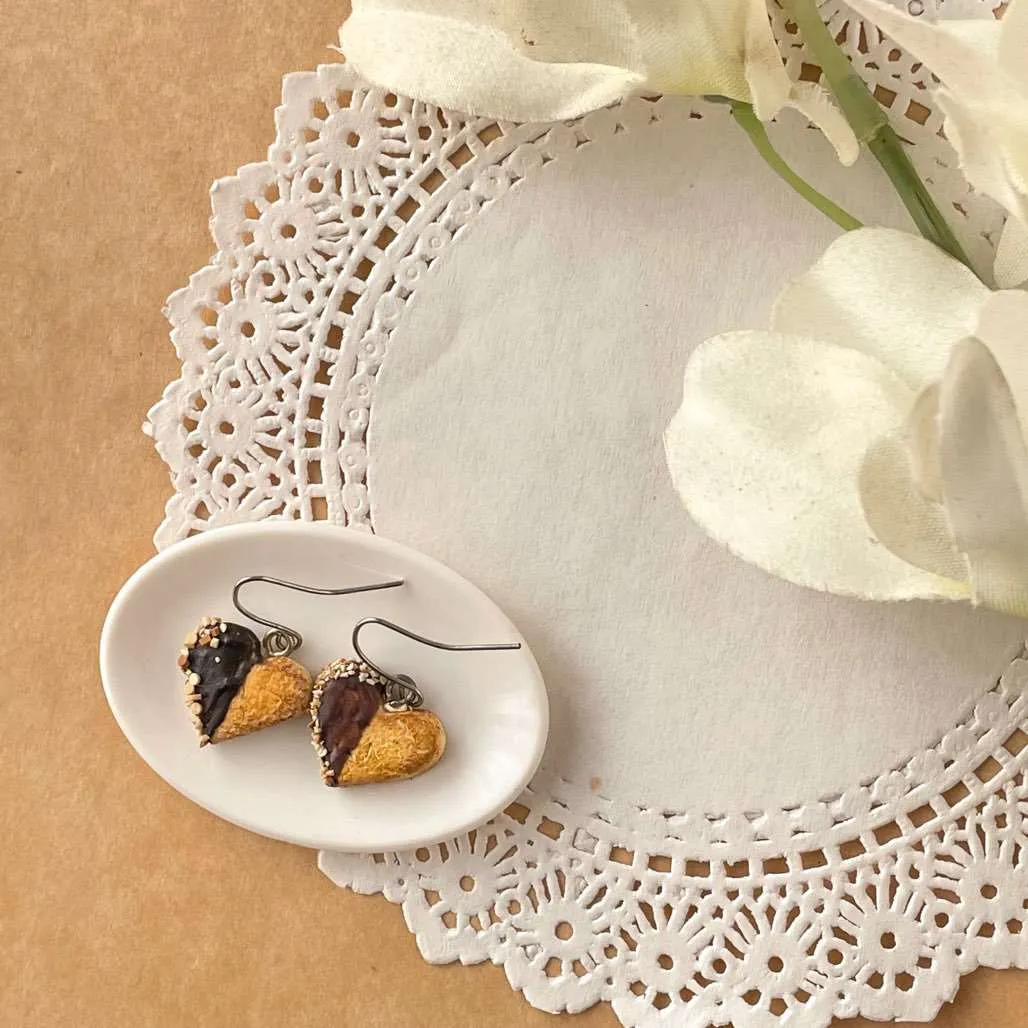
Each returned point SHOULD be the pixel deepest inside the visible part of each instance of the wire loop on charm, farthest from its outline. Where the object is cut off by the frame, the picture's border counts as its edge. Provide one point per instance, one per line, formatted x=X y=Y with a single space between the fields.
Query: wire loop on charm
x=401 y=690
x=281 y=640
x=280 y=643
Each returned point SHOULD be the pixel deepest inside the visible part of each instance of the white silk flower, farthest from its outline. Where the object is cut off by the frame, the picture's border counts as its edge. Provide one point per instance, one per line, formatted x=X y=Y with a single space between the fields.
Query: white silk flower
x=550 y=60
x=872 y=443
x=983 y=67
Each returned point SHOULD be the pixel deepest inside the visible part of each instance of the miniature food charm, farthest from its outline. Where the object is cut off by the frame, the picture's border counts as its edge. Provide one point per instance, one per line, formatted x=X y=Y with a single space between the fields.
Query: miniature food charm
x=231 y=689
x=359 y=739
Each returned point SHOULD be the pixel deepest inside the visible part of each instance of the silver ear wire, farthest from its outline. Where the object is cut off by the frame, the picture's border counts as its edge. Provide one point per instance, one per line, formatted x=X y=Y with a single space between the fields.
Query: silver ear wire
x=402 y=690
x=281 y=641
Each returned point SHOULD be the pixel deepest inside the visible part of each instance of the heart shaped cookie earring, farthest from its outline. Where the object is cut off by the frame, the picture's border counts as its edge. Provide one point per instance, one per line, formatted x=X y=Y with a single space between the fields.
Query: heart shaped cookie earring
x=236 y=683
x=367 y=725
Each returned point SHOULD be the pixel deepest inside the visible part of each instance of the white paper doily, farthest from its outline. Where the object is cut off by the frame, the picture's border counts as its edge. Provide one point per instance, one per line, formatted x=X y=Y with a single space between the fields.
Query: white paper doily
x=875 y=866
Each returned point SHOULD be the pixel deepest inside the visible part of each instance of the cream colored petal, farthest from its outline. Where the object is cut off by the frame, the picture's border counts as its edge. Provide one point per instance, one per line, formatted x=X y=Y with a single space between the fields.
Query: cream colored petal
x=543 y=60
x=814 y=103
x=1013 y=45
x=475 y=68
x=966 y=435
x=772 y=90
x=1011 y=267
x=893 y=296
x=985 y=468
x=765 y=452
x=983 y=65
x=921 y=441
x=902 y=518
x=989 y=139
x=901 y=492
x=963 y=53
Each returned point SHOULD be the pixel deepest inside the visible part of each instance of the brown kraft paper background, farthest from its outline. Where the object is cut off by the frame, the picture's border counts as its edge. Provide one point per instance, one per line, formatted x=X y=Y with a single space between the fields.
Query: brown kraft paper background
x=121 y=903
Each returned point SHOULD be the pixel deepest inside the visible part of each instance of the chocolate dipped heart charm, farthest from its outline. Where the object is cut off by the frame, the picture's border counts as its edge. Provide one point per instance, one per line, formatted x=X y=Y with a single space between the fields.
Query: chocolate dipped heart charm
x=231 y=689
x=359 y=739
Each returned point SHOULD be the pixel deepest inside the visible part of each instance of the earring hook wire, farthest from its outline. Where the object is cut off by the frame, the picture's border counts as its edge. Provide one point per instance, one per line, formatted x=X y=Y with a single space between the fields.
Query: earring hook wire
x=402 y=690
x=282 y=640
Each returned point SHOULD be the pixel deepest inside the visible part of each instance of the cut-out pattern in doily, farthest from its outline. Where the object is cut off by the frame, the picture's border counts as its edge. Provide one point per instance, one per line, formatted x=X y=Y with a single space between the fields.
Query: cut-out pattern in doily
x=871 y=902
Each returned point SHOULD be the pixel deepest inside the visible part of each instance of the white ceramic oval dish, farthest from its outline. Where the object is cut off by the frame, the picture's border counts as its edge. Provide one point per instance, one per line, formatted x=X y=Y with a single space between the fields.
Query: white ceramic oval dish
x=492 y=704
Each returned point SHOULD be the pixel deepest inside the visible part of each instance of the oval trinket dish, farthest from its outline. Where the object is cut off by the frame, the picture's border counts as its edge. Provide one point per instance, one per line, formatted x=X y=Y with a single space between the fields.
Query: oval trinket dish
x=493 y=704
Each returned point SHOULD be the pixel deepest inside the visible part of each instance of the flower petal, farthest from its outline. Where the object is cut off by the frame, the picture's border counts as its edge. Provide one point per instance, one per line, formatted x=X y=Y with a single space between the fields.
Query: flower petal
x=1013 y=44
x=476 y=67
x=1011 y=267
x=950 y=493
x=982 y=65
x=765 y=453
x=540 y=60
x=772 y=90
x=985 y=459
x=888 y=294
x=982 y=134
x=904 y=519
x=814 y=103
x=921 y=440
x=963 y=52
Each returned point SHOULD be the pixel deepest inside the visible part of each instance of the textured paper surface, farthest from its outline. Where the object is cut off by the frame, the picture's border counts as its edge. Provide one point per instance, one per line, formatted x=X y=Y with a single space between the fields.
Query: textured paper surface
x=125 y=906
x=567 y=356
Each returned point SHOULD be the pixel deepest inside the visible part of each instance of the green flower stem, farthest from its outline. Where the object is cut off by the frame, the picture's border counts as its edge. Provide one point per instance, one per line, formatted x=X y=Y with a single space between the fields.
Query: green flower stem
x=754 y=128
x=871 y=125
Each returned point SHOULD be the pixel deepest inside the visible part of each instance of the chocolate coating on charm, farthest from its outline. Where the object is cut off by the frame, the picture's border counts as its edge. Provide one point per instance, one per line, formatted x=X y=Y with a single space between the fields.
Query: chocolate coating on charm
x=347 y=707
x=219 y=656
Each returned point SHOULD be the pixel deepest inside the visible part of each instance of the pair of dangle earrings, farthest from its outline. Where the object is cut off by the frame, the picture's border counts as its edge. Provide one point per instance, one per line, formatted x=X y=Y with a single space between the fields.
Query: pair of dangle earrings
x=367 y=724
